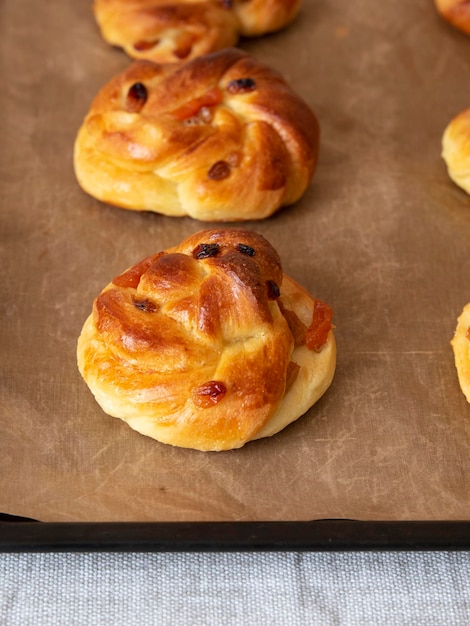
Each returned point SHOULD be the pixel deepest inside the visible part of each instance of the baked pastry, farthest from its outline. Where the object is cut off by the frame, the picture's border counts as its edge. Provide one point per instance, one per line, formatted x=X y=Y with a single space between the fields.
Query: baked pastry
x=456 y=12
x=456 y=149
x=221 y=138
x=169 y=31
x=208 y=345
x=461 y=346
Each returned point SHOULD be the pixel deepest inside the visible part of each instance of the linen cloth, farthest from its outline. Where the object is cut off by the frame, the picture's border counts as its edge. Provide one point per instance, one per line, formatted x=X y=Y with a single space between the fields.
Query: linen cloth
x=295 y=589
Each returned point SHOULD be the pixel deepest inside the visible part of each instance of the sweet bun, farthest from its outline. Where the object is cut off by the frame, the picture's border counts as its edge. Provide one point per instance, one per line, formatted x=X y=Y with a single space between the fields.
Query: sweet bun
x=208 y=345
x=221 y=138
x=456 y=12
x=168 y=31
x=461 y=346
x=456 y=149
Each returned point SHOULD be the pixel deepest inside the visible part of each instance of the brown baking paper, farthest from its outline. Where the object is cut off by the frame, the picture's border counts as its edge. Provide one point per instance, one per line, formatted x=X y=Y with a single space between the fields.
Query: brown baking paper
x=382 y=235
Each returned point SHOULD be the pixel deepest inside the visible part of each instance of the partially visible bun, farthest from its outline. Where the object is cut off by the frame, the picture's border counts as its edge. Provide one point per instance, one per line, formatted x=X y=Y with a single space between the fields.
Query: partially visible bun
x=456 y=12
x=208 y=345
x=222 y=138
x=168 y=31
x=461 y=346
x=456 y=150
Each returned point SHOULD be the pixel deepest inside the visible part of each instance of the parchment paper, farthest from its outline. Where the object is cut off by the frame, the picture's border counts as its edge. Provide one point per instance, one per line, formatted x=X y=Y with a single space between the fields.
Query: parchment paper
x=382 y=235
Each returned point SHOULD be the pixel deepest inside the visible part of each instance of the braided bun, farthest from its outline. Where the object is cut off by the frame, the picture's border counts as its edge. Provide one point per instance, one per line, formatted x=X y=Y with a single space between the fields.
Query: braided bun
x=208 y=345
x=220 y=138
x=456 y=12
x=456 y=150
x=169 y=31
x=461 y=346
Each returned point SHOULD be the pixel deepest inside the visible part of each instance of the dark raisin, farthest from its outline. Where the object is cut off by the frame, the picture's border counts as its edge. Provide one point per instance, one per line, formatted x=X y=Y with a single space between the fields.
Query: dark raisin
x=273 y=290
x=219 y=171
x=205 y=250
x=209 y=394
x=244 y=249
x=227 y=4
x=136 y=97
x=241 y=85
x=145 y=305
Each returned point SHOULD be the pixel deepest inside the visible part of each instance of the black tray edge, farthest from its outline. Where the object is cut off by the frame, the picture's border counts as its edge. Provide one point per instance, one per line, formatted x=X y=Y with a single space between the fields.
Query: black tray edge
x=316 y=536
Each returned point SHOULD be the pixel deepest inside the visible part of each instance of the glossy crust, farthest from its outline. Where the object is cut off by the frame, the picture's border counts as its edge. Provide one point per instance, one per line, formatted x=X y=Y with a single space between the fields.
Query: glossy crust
x=196 y=347
x=456 y=150
x=169 y=31
x=456 y=12
x=461 y=346
x=223 y=138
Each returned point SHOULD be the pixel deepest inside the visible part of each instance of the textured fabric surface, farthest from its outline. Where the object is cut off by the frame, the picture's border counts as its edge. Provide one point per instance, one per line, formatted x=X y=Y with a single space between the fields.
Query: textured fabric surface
x=235 y=589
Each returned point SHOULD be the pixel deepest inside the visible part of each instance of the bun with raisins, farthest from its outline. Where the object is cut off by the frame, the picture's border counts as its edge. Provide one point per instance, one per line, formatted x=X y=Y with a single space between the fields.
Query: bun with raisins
x=456 y=12
x=456 y=150
x=208 y=345
x=461 y=346
x=175 y=31
x=222 y=138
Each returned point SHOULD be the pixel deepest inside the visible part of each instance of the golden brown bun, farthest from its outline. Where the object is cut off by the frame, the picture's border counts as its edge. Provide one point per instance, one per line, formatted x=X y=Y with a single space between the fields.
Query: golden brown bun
x=461 y=346
x=456 y=12
x=196 y=347
x=221 y=138
x=456 y=150
x=167 y=31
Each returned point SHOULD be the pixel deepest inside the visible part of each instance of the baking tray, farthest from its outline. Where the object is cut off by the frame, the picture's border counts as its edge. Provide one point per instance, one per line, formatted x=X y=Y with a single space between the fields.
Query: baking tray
x=22 y=535
x=381 y=229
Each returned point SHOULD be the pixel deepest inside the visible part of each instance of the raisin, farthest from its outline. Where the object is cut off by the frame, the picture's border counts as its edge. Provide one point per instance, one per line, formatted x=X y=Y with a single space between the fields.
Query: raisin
x=291 y=374
x=273 y=290
x=219 y=171
x=142 y=46
x=241 y=85
x=244 y=249
x=317 y=333
x=203 y=116
x=145 y=305
x=209 y=394
x=296 y=326
x=205 y=250
x=183 y=52
x=136 y=97
x=193 y=107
